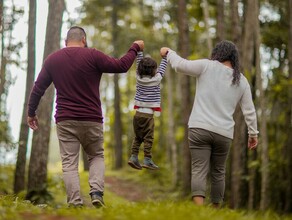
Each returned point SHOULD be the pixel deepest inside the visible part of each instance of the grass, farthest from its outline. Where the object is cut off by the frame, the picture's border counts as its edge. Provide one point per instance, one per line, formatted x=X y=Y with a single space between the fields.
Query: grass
x=123 y=210
x=15 y=208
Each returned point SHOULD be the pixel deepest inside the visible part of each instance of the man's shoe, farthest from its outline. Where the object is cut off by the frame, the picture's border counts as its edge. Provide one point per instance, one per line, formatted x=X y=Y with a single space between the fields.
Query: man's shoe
x=97 y=200
x=149 y=164
x=134 y=162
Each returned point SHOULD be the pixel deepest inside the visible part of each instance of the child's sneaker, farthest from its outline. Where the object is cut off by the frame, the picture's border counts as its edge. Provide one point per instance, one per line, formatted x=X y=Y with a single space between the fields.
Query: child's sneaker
x=149 y=164
x=134 y=162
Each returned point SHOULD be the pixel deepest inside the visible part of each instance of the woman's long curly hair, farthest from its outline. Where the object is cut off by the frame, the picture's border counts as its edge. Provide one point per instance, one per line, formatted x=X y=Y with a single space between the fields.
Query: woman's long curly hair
x=227 y=51
x=147 y=67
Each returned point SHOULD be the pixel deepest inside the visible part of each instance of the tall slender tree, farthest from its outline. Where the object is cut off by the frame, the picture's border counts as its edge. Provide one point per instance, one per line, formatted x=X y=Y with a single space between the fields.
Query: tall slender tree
x=236 y=29
x=288 y=144
x=264 y=202
x=3 y=57
x=1 y=16
x=183 y=47
x=220 y=24
x=205 y=7
x=19 y=178
x=117 y=100
x=238 y=141
x=239 y=186
x=37 y=176
x=171 y=130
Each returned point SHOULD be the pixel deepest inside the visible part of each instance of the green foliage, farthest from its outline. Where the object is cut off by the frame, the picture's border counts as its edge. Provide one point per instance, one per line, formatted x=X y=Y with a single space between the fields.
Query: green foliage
x=4 y=132
x=6 y=143
x=6 y=179
x=9 y=56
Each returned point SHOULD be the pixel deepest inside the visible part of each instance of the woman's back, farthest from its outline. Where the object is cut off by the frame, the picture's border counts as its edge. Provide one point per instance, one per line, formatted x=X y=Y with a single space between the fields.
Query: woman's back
x=216 y=98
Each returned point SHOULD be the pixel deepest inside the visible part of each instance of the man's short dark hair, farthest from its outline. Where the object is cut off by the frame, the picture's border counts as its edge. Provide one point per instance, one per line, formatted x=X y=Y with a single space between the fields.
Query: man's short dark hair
x=75 y=33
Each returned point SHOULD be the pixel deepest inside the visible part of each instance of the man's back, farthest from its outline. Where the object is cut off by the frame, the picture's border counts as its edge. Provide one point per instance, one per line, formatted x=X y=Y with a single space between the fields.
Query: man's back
x=76 y=77
x=76 y=74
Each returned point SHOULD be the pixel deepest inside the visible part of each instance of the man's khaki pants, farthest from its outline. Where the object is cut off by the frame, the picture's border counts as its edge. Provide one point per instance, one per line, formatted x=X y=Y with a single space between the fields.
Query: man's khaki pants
x=89 y=135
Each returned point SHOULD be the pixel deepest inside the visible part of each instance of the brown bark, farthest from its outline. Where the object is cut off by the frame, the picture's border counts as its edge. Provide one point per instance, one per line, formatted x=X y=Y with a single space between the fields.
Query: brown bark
x=288 y=144
x=220 y=25
x=184 y=46
x=117 y=100
x=171 y=130
x=1 y=16
x=236 y=29
x=3 y=58
x=240 y=139
x=37 y=177
x=264 y=203
x=85 y=161
x=239 y=143
x=207 y=26
x=19 y=178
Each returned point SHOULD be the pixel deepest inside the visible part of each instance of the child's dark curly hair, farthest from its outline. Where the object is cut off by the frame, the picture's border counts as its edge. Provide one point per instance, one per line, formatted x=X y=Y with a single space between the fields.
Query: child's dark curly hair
x=147 y=67
x=227 y=51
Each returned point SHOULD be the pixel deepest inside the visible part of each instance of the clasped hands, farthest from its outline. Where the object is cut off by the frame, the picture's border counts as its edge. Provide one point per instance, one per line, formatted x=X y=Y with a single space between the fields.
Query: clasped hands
x=163 y=50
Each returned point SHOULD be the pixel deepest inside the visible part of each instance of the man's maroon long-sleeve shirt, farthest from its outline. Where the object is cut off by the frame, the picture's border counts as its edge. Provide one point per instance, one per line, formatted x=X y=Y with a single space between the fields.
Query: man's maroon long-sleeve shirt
x=76 y=74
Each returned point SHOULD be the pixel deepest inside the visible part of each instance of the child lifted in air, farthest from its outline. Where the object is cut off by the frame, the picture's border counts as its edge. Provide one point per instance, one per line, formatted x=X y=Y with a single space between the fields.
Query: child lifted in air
x=147 y=101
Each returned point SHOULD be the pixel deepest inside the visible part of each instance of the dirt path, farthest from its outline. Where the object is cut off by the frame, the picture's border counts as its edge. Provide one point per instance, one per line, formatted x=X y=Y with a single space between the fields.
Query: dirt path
x=126 y=189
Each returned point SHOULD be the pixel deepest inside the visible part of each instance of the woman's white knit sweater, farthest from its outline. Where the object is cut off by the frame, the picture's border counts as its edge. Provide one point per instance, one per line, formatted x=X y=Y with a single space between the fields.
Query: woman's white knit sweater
x=216 y=98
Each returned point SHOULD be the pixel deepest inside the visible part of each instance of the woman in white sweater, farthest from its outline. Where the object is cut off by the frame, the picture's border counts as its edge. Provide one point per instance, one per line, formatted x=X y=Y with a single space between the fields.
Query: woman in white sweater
x=219 y=88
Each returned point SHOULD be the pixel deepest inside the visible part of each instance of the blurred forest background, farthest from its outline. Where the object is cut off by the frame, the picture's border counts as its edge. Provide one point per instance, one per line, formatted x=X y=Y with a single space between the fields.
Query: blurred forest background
x=262 y=30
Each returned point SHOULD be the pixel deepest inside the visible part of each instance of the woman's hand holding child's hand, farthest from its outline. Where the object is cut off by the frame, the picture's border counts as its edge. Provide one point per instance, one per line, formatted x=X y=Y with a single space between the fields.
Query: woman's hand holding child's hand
x=164 y=51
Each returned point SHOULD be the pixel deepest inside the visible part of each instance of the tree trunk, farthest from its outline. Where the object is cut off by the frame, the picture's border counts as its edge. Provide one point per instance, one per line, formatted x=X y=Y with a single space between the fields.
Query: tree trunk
x=235 y=161
x=118 y=122
x=239 y=143
x=220 y=25
x=171 y=131
x=3 y=61
x=288 y=144
x=118 y=126
x=240 y=140
x=129 y=117
x=264 y=203
x=37 y=178
x=236 y=29
x=85 y=161
x=19 y=178
x=1 y=16
x=252 y=170
x=185 y=88
x=248 y=38
x=205 y=7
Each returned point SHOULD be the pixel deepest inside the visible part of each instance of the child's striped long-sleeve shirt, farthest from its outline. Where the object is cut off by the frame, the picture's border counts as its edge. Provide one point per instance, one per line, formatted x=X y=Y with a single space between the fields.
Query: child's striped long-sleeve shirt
x=148 y=88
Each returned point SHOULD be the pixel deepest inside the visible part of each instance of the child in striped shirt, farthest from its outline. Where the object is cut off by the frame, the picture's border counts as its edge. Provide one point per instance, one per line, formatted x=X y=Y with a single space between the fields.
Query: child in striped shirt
x=147 y=101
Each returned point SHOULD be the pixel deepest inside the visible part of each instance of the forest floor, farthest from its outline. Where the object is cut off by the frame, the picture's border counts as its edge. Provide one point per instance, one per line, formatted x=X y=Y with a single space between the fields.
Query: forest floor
x=128 y=190
x=135 y=186
x=129 y=194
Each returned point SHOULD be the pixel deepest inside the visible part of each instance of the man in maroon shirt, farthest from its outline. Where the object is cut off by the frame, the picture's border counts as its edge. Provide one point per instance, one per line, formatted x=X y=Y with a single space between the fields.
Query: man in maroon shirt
x=75 y=72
